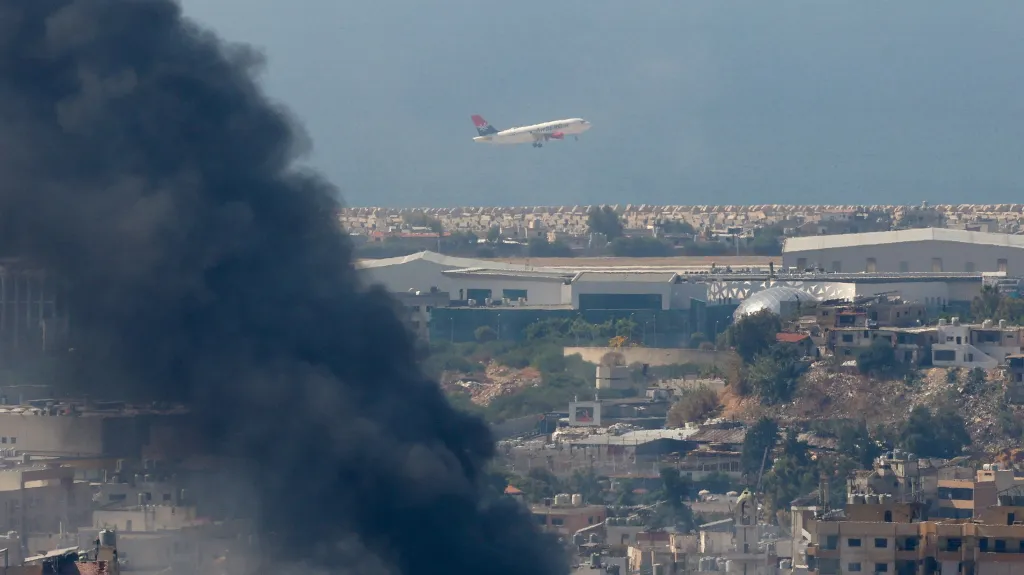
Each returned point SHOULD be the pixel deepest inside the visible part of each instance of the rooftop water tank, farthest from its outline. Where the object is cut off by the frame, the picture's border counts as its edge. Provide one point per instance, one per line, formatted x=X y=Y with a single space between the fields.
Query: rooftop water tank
x=108 y=538
x=577 y=500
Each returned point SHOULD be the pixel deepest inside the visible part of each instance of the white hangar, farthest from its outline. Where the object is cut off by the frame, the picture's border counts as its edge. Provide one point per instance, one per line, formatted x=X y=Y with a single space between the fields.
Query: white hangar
x=465 y=279
x=932 y=250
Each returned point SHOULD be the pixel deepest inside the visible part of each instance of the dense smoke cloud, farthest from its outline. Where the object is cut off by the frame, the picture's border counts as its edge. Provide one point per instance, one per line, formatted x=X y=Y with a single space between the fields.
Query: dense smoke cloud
x=140 y=161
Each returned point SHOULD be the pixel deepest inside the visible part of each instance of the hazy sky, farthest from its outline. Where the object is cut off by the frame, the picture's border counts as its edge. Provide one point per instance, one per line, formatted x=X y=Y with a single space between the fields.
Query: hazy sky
x=702 y=101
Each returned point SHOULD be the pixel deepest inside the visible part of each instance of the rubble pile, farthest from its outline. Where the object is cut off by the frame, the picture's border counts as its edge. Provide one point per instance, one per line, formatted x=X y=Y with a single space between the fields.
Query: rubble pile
x=828 y=393
x=496 y=381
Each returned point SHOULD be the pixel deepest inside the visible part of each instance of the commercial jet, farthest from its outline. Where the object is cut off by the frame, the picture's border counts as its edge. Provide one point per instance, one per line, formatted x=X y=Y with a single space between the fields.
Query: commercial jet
x=536 y=134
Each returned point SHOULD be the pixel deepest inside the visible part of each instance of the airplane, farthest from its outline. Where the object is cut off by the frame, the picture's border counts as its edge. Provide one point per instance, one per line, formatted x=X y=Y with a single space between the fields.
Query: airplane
x=537 y=134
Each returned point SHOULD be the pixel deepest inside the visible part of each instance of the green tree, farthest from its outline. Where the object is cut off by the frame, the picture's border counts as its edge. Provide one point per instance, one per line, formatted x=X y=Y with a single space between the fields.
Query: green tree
x=697 y=338
x=761 y=436
x=485 y=333
x=493 y=234
x=676 y=489
x=793 y=475
x=986 y=304
x=774 y=374
x=766 y=241
x=605 y=221
x=976 y=377
x=588 y=484
x=856 y=443
x=878 y=359
x=943 y=434
x=753 y=334
x=422 y=220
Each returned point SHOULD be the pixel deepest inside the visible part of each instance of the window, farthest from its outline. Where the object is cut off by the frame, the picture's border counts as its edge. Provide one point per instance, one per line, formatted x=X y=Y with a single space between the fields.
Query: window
x=847 y=338
x=117 y=496
x=853 y=542
x=557 y=521
x=943 y=355
x=3 y=440
x=1000 y=545
x=478 y=294
x=513 y=294
x=853 y=567
x=540 y=519
x=1001 y=265
x=14 y=440
x=831 y=542
x=881 y=542
x=952 y=544
x=881 y=567
x=888 y=514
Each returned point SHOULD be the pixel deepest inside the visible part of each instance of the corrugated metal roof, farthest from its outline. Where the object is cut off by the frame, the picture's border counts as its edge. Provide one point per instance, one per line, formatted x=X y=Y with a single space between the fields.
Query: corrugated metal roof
x=636 y=437
x=440 y=259
x=514 y=274
x=653 y=277
x=811 y=243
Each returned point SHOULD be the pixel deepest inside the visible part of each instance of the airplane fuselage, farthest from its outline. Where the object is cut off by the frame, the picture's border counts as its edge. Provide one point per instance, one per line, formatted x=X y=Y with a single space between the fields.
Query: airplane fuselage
x=542 y=132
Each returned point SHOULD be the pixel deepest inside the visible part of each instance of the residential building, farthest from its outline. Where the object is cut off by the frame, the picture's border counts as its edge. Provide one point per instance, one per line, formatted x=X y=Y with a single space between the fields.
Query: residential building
x=566 y=518
x=895 y=538
x=43 y=500
x=985 y=345
x=1015 y=378
x=909 y=344
x=801 y=341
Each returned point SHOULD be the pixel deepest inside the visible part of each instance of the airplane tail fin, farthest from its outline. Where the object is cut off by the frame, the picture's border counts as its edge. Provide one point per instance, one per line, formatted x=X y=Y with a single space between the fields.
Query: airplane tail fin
x=482 y=126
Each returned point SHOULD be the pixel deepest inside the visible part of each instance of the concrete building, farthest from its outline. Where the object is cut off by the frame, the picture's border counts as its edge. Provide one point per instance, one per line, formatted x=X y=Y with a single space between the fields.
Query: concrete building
x=1015 y=378
x=565 y=516
x=986 y=345
x=146 y=518
x=419 y=306
x=901 y=543
x=913 y=250
x=43 y=500
x=79 y=430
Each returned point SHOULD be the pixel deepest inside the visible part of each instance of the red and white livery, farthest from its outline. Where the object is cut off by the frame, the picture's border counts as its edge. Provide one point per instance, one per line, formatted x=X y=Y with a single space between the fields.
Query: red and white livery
x=535 y=134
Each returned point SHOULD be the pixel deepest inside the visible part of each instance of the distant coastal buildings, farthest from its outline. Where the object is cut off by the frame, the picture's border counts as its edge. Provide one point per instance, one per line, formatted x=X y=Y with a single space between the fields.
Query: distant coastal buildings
x=794 y=220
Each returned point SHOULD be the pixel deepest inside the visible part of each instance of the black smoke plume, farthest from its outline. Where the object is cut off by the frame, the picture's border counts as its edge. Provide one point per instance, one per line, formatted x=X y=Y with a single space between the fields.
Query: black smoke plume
x=140 y=160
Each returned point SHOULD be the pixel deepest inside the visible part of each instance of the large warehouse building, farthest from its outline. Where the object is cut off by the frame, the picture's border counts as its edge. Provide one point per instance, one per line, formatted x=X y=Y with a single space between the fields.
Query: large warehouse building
x=917 y=250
